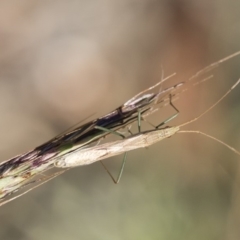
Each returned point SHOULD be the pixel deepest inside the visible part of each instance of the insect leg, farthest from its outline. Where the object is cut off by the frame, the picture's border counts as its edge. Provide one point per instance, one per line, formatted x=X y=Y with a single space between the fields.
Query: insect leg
x=116 y=181
x=173 y=116
x=139 y=121
x=129 y=130
x=109 y=131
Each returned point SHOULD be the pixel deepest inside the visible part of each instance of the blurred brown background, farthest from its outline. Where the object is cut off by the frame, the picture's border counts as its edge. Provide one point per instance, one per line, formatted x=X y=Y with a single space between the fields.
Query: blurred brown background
x=61 y=61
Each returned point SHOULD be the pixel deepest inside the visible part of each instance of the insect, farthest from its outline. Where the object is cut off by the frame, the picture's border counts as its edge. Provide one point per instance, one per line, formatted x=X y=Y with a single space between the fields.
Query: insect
x=134 y=141
x=25 y=169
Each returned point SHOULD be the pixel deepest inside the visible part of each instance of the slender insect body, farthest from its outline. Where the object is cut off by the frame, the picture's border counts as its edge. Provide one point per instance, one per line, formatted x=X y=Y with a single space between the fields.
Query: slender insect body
x=93 y=154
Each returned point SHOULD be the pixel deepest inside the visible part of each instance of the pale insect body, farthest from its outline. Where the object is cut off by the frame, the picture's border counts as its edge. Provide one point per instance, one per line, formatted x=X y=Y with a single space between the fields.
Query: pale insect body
x=93 y=154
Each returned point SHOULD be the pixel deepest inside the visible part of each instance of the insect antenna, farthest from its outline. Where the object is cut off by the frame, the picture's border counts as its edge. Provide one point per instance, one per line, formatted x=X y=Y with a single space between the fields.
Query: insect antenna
x=205 y=112
x=211 y=137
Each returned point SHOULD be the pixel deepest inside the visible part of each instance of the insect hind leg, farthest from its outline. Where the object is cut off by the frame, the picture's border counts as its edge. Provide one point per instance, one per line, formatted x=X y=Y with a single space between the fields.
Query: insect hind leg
x=116 y=181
